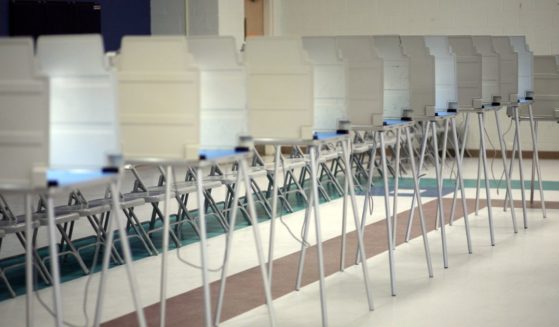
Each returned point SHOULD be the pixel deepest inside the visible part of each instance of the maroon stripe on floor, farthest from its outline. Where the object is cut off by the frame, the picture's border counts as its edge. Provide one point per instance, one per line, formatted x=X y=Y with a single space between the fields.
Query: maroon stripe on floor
x=244 y=290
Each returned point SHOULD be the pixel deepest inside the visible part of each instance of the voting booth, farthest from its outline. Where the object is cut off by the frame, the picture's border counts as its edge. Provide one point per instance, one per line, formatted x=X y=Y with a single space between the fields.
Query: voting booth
x=222 y=91
x=365 y=80
x=83 y=116
x=446 y=88
x=158 y=98
x=279 y=88
x=508 y=69
x=490 y=87
x=525 y=67
x=546 y=87
x=422 y=77
x=330 y=83
x=24 y=116
x=468 y=72
x=396 y=76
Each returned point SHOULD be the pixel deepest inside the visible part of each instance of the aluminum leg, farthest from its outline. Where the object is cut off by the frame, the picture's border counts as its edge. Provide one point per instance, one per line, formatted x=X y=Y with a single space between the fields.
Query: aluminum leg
x=361 y=245
x=55 y=269
x=533 y=127
x=461 y=155
x=203 y=250
x=507 y=176
x=28 y=261
x=314 y=177
x=366 y=202
x=418 y=173
x=417 y=196
x=116 y=216
x=258 y=244
x=438 y=172
x=387 y=212
x=520 y=167
x=165 y=247
x=443 y=157
x=344 y=224
x=229 y=242
x=303 y=251
x=511 y=166
x=460 y=178
x=275 y=194
x=396 y=182
x=478 y=182
x=486 y=175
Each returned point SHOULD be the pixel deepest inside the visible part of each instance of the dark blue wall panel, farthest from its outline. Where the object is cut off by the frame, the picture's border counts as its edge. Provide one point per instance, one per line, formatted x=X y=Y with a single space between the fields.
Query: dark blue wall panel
x=118 y=18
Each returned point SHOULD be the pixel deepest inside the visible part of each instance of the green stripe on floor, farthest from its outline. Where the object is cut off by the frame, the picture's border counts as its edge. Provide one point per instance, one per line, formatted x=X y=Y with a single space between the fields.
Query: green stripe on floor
x=407 y=182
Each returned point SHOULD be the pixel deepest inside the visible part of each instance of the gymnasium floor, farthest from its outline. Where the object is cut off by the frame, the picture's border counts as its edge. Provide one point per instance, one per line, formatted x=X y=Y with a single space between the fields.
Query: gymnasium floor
x=512 y=284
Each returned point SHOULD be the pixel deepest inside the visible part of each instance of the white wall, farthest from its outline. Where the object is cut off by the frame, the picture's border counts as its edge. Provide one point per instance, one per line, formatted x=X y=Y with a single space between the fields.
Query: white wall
x=537 y=19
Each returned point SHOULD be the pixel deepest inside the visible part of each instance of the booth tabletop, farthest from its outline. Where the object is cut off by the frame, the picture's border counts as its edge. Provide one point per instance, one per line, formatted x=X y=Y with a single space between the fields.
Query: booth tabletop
x=207 y=157
x=319 y=138
x=390 y=124
x=440 y=115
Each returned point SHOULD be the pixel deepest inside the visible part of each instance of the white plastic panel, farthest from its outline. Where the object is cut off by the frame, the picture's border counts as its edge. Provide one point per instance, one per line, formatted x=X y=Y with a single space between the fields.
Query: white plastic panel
x=525 y=65
x=422 y=75
x=223 y=91
x=396 y=75
x=280 y=88
x=468 y=70
x=24 y=114
x=546 y=86
x=329 y=82
x=489 y=67
x=446 y=89
x=508 y=68
x=159 y=98
x=83 y=117
x=365 y=78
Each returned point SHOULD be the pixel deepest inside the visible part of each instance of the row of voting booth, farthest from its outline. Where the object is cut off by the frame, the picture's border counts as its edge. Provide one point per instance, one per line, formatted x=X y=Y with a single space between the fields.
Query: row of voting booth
x=69 y=118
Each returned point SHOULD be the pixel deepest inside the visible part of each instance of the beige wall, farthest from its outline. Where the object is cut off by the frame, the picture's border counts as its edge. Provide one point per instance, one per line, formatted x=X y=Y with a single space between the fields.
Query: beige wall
x=537 y=19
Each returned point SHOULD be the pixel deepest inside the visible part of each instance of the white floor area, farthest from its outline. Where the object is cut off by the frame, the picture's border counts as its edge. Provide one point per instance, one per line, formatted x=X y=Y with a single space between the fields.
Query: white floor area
x=514 y=283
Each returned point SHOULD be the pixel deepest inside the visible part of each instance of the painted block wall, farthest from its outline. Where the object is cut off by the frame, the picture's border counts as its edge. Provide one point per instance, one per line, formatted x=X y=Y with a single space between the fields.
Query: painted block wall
x=538 y=20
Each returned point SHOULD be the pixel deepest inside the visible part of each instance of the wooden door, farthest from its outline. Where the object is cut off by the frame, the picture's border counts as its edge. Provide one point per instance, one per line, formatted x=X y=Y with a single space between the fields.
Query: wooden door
x=254 y=17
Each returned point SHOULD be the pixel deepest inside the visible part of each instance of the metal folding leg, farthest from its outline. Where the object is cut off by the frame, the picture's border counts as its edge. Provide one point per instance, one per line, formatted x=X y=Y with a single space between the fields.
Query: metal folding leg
x=55 y=269
x=165 y=246
x=418 y=173
x=29 y=261
x=483 y=153
x=275 y=195
x=460 y=156
x=315 y=209
x=460 y=183
x=507 y=176
x=518 y=147
x=314 y=184
x=396 y=182
x=127 y=259
x=388 y=216
x=438 y=172
x=533 y=131
x=361 y=245
x=417 y=196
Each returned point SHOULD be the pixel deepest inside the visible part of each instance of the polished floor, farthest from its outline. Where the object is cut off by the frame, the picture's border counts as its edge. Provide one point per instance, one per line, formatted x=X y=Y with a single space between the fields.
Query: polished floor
x=512 y=284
